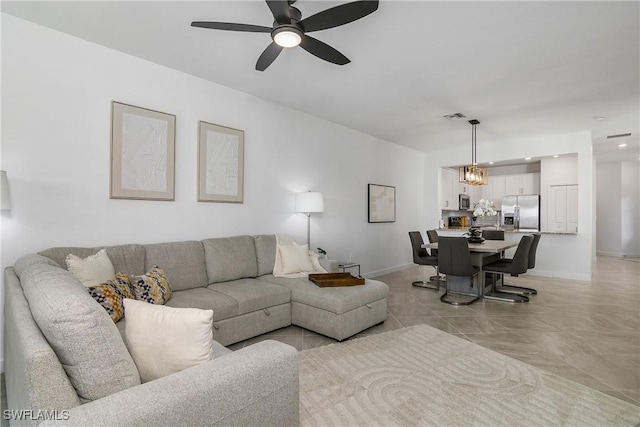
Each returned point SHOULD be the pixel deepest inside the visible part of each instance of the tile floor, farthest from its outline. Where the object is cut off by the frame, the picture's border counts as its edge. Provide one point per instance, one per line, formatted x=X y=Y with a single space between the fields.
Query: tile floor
x=588 y=332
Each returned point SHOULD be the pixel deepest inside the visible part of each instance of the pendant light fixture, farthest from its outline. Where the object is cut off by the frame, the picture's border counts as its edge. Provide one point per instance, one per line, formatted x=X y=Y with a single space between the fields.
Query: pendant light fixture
x=473 y=174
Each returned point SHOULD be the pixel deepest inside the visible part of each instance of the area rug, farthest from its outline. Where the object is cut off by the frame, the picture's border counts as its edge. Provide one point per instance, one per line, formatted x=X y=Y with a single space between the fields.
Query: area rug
x=423 y=376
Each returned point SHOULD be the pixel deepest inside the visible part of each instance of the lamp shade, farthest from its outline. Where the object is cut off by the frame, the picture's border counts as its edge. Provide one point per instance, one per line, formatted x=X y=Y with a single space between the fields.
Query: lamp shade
x=5 y=200
x=309 y=202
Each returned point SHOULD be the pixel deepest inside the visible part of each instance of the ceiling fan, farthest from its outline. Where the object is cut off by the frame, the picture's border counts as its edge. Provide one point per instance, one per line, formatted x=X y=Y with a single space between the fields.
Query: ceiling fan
x=289 y=30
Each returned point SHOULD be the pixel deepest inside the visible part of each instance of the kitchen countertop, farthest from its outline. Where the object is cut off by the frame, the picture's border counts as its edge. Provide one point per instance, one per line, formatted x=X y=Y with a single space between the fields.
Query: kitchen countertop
x=507 y=231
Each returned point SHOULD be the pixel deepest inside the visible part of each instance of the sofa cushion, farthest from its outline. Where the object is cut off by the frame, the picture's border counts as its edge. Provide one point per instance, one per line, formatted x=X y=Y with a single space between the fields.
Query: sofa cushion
x=337 y=300
x=92 y=270
x=26 y=261
x=222 y=305
x=253 y=295
x=152 y=287
x=265 y=252
x=128 y=259
x=182 y=262
x=230 y=258
x=111 y=294
x=80 y=331
x=163 y=340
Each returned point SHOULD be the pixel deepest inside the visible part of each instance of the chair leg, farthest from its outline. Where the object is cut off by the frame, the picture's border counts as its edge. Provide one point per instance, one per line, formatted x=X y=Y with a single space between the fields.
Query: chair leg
x=498 y=295
x=517 y=290
x=444 y=298
x=433 y=283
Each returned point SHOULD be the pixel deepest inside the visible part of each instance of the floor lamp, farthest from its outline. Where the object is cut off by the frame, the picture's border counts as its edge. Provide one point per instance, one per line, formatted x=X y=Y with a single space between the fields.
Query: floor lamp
x=309 y=203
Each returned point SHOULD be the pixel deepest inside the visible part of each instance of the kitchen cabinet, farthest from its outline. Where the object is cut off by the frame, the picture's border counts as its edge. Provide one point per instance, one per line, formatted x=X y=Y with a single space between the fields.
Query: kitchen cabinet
x=448 y=189
x=562 y=212
x=498 y=189
x=528 y=183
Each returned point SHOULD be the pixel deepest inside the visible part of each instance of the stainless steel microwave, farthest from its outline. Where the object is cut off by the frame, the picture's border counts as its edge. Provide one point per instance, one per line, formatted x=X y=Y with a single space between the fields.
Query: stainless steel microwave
x=464 y=202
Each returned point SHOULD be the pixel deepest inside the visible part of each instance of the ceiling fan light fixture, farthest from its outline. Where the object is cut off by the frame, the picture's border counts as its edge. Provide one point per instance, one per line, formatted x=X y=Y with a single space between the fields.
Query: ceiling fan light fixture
x=287 y=36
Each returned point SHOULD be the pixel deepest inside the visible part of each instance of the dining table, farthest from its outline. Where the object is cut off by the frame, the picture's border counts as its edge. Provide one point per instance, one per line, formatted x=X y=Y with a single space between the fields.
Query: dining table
x=482 y=254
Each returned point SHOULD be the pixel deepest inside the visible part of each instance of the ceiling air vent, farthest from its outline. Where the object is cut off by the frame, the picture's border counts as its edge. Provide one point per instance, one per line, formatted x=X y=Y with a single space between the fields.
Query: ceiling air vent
x=454 y=116
x=620 y=135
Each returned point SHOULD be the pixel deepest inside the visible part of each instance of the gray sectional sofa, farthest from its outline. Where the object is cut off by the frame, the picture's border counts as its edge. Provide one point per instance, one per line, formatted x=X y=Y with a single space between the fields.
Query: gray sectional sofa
x=53 y=328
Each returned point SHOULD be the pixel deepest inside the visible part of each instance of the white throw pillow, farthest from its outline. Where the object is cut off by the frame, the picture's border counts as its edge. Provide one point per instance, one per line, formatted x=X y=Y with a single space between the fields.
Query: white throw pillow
x=163 y=340
x=295 y=259
x=92 y=270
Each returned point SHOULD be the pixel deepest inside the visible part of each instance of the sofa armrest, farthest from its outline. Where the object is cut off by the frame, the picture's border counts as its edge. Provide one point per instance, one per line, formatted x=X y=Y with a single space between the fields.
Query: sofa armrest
x=331 y=265
x=257 y=385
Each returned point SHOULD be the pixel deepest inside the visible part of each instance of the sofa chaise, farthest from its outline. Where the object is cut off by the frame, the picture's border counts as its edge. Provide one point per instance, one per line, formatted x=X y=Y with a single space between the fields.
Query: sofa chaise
x=233 y=276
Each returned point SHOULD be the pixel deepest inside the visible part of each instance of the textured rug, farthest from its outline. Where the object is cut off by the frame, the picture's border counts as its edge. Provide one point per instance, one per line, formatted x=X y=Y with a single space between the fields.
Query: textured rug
x=423 y=376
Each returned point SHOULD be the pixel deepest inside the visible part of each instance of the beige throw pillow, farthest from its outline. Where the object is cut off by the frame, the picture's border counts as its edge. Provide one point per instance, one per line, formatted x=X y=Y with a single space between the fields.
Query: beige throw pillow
x=295 y=258
x=92 y=270
x=163 y=340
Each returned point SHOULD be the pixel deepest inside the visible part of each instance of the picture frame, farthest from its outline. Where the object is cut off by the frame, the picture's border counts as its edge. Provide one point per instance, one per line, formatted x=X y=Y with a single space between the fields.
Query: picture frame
x=220 y=163
x=382 y=203
x=142 y=153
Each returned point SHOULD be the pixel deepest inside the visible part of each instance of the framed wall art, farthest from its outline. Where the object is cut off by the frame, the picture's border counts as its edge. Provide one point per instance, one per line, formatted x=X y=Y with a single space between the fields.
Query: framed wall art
x=142 y=153
x=382 y=203
x=220 y=164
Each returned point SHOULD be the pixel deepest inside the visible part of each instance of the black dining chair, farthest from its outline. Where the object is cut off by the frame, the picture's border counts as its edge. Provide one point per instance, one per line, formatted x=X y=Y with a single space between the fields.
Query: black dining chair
x=422 y=257
x=432 y=235
x=521 y=290
x=454 y=260
x=517 y=265
x=493 y=234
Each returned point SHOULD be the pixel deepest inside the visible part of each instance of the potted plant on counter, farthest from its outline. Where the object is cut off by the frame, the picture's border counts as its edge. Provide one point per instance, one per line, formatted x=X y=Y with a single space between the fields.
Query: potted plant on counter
x=481 y=209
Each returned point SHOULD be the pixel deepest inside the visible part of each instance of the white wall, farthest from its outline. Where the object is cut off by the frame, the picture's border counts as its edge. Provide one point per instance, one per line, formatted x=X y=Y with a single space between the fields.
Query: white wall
x=618 y=208
x=56 y=98
x=564 y=256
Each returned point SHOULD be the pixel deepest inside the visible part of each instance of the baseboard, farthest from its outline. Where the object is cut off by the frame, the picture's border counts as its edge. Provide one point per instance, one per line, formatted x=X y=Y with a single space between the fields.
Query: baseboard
x=617 y=255
x=388 y=270
x=560 y=275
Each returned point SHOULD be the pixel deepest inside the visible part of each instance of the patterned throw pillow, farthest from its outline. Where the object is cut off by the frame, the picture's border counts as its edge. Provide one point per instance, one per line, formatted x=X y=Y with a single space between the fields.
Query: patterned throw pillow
x=152 y=287
x=111 y=295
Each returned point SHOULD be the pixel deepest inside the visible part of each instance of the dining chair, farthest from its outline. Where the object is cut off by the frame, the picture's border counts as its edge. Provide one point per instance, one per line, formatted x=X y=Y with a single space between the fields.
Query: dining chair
x=521 y=290
x=454 y=260
x=516 y=265
x=493 y=234
x=432 y=235
x=422 y=257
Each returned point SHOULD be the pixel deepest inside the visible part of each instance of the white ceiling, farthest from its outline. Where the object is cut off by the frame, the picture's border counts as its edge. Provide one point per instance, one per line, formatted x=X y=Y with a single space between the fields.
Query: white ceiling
x=521 y=68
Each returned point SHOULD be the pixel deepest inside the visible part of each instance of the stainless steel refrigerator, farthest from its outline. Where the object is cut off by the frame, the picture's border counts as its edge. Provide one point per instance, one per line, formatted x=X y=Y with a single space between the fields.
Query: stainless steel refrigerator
x=521 y=213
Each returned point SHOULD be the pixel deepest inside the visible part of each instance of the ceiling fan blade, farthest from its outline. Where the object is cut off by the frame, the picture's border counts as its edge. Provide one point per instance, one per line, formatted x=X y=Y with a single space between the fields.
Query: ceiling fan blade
x=268 y=56
x=232 y=27
x=280 y=11
x=339 y=15
x=323 y=50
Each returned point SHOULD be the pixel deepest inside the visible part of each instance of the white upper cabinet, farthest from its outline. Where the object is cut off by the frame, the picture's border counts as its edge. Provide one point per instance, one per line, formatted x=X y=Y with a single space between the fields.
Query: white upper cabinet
x=448 y=189
x=562 y=211
x=528 y=183
x=498 y=188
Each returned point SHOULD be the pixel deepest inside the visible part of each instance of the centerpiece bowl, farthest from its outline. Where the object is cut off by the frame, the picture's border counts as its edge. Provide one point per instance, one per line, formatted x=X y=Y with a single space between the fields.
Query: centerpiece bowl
x=475 y=239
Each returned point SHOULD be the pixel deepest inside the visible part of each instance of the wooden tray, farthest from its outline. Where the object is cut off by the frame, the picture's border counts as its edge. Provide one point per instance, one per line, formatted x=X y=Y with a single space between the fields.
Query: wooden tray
x=330 y=280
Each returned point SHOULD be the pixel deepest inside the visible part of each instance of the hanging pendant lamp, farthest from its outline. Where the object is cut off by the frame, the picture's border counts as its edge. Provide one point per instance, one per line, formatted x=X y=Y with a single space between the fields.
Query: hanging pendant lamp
x=473 y=174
